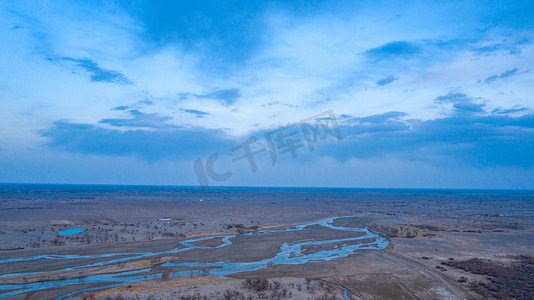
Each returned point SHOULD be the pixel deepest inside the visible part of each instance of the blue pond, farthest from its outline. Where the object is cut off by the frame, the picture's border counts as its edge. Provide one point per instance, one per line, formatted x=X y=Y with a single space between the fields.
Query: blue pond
x=70 y=231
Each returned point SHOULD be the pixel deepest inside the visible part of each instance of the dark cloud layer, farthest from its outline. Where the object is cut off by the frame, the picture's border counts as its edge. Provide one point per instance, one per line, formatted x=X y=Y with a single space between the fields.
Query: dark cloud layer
x=393 y=50
x=493 y=140
x=474 y=139
x=198 y=113
x=278 y=103
x=503 y=75
x=150 y=145
x=122 y=107
x=139 y=119
x=98 y=74
x=222 y=33
x=494 y=48
x=386 y=81
x=504 y=111
x=224 y=96
x=462 y=103
x=225 y=31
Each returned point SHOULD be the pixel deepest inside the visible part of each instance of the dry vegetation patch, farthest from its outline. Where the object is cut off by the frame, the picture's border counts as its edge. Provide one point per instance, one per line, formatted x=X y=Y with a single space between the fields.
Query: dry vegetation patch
x=504 y=280
x=394 y=231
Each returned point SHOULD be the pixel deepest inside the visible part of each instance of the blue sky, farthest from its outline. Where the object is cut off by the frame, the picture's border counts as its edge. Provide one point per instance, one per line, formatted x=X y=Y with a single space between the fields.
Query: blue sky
x=426 y=94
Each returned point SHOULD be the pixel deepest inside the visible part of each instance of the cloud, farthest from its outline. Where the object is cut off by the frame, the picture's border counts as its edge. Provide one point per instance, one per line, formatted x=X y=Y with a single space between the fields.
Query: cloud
x=462 y=103
x=392 y=50
x=504 y=111
x=224 y=96
x=198 y=113
x=203 y=27
x=493 y=140
x=140 y=119
x=381 y=118
x=145 y=102
x=98 y=74
x=508 y=73
x=122 y=107
x=475 y=140
x=390 y=121
x=279 y=103
x=386 y=81
x=511 y=48
x=503 y=75
x=150 y=145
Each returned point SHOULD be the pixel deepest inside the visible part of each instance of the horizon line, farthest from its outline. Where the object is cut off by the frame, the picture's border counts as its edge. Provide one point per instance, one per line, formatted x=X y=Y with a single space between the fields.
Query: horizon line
x=266 y=187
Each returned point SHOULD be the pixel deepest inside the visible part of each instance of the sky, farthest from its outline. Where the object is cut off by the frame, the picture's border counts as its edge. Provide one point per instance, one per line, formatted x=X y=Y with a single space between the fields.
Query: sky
x=391 y=94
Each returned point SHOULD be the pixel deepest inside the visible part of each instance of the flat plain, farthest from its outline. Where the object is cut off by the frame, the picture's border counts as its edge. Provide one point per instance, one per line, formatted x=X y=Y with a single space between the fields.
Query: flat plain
x=143 y=242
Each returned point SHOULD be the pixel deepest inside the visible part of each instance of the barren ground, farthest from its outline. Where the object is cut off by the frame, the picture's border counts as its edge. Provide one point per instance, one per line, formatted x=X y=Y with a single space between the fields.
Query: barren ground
x=428 y=230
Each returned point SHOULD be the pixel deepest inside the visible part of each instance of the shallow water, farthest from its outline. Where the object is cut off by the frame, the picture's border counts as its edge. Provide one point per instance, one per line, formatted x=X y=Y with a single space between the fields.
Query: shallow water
x=290 y=253
x=70 y=231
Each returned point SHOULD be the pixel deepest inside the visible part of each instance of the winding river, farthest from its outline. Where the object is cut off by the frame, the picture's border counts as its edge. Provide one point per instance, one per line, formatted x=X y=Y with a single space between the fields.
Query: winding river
x=290 y=253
